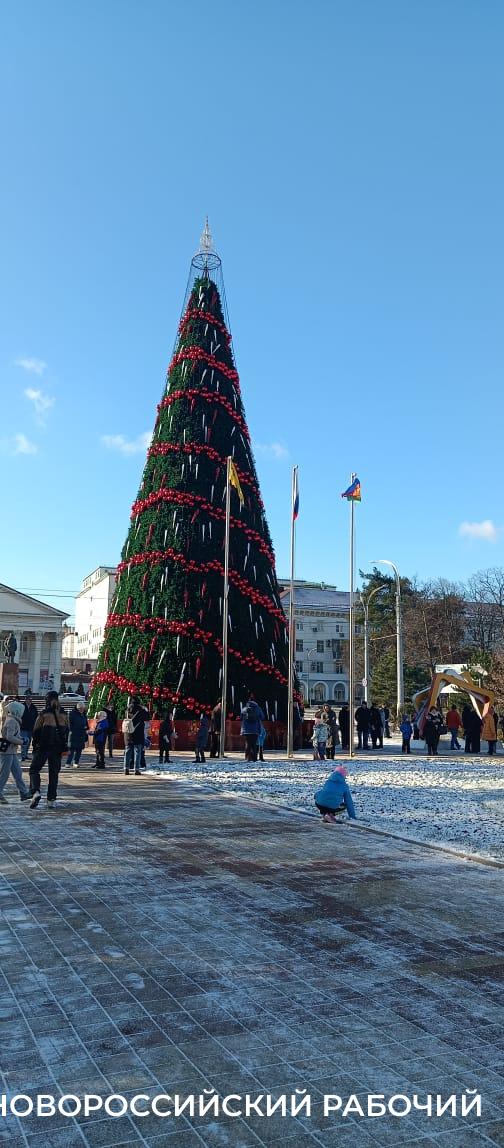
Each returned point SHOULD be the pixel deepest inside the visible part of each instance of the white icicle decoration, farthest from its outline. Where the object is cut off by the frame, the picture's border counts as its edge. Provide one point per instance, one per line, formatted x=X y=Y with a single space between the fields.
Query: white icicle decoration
x=203 y=530
x=196 y=469
x=220 y=605
x=126 y=650
x=250 y=610
x=161 y=658
x=152 y=606
x=204 y=373
x=178 y=643
x=233 y=430
x=184 y=435
x=232 y=694
x=164 y=539
x=256 y=630
x=230 y=622
x=255 y=574
x=166 y=612
x=210 y=528
x=212 y=492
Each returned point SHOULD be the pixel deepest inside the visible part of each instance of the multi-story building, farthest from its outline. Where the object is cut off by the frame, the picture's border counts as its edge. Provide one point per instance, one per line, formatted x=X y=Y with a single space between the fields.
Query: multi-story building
x=321 y=643
x=92 y=607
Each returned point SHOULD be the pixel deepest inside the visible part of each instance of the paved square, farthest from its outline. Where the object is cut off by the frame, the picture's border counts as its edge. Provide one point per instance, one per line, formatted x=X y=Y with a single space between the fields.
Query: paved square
x=161 y=937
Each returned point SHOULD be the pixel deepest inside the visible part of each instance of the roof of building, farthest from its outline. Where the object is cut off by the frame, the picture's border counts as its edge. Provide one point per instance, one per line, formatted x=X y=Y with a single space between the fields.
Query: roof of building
x=12 y=600
x=311 y=594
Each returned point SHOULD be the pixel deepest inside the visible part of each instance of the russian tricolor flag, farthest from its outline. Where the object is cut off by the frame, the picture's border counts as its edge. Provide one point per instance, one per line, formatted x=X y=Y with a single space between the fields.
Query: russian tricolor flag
x=295 y=495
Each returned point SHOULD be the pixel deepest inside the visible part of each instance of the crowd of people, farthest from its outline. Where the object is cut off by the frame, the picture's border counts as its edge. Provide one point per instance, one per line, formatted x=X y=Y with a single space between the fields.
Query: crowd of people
x=58 y=740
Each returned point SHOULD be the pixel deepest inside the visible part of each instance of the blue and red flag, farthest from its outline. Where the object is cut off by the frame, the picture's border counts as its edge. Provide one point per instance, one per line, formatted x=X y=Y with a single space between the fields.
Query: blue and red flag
x=353 y=492
x=295 y=496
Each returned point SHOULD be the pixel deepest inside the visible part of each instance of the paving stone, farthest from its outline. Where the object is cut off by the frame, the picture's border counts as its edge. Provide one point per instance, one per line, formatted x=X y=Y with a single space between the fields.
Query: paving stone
x=241 y=949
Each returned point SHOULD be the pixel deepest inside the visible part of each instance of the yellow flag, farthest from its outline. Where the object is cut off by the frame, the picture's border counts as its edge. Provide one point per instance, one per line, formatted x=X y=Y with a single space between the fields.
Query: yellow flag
x=235 y=481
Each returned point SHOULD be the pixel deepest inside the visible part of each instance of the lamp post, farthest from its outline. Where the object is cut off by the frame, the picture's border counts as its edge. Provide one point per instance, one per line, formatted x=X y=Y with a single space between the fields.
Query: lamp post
x=310 y=652
x=365 y=600
x=400 y=675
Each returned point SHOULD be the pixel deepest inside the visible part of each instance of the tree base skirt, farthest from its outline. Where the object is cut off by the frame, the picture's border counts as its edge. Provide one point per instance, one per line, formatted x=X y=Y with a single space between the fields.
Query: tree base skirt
x=186 y=735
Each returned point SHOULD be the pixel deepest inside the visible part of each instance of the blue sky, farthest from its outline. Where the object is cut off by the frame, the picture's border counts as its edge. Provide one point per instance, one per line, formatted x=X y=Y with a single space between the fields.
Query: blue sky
x=349 y=156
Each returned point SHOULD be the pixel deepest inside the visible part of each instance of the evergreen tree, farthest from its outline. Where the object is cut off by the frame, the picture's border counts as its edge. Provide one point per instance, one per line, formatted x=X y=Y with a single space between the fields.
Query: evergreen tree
x=167 y=609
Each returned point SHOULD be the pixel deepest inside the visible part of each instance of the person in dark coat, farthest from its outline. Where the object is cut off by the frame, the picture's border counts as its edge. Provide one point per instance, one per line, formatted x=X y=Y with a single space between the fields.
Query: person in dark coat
x=386 y=719
x=376 y=726
x=165 y=738
x=475 y=724
x=215 y=730
x=30 y=714
x=362 y=723
x=78 y=723
x=332 y=723
x=112 y=728
x=344 y=724
x=251 y=718
x=50 y=736
x=466 y=726
x=202 y=738
x=133 y=728
x=432 y=731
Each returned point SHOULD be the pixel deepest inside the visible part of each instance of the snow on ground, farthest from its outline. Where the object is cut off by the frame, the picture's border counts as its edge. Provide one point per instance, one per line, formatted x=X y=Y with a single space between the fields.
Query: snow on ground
x=458 y=802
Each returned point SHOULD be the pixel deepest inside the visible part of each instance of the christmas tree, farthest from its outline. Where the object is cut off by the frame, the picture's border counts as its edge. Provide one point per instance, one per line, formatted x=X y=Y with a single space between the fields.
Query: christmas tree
x=163 y=639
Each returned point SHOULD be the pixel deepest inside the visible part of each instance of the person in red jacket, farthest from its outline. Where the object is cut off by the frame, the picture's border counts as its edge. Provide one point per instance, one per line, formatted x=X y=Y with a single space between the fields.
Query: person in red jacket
x=453 y=725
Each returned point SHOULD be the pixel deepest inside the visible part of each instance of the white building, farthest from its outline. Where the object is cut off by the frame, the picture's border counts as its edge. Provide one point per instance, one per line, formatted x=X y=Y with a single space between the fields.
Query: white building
x=38 y=630
x=322 y=631
x=92 y=607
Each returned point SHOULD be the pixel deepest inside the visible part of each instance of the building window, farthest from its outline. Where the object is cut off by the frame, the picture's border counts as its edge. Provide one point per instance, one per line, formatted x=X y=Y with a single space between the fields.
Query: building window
x=339 y=693
x=299 y=645
x=319 y=693
x=317 y=667
x=299 y=667
x=320 y=647
x=338 y=668
x=299 y=625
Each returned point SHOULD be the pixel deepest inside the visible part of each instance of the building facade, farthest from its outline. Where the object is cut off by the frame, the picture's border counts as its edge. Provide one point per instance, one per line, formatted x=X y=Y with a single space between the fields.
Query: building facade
x=38 y=630
x=321 y=615
x=92 y=607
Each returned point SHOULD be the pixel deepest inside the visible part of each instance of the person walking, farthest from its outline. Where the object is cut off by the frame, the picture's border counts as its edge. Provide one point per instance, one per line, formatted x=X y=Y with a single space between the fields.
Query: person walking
x=386 y=719
x=133 y=728
x=165 y=738
x=362 y=723
x=261 y=738
x=406 y=729
x=79 y=728
x=251 y=718
x=30 y=714
x=10 y=739
x=202 y=739
x=376 y=726
x=453 y=725
x=215 y=730
x=432 y=731
x=344 y=724
x=489 y=730
x=111 y=729
x=100 y=734
x=50 y=736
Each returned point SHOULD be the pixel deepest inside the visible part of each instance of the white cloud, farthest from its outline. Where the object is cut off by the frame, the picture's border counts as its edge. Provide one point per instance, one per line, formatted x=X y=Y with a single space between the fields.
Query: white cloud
x=485 y=530
x=22 y=445
x=33 y=366
x=127 y=445
x=41 y=401
x=273 y=449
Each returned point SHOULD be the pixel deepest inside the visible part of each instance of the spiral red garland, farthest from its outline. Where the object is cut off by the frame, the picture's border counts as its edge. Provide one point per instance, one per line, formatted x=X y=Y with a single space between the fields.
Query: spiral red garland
x=164 y=448
x=162 y=626
x=212 y=397
x=156 y=557
x=182 y=498
x=205 y=316
x=195 y=354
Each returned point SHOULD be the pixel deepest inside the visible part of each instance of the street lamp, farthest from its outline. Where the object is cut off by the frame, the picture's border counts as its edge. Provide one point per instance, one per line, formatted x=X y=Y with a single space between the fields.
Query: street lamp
x=365 y=600
x=310 y=652
x=400 y=676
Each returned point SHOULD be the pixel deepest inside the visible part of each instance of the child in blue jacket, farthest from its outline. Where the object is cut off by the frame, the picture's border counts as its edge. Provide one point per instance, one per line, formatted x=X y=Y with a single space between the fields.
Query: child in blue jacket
x=406 y=729
x=99 y=738
x=332 y=793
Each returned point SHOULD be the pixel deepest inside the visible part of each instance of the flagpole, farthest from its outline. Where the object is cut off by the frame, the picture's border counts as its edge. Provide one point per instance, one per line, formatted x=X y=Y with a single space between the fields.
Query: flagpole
x=290 y=691
x=351 y=628
x=222 y=745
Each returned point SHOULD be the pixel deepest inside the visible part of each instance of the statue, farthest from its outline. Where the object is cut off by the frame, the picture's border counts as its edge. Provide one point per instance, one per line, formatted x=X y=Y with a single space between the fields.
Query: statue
x=9 y=648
